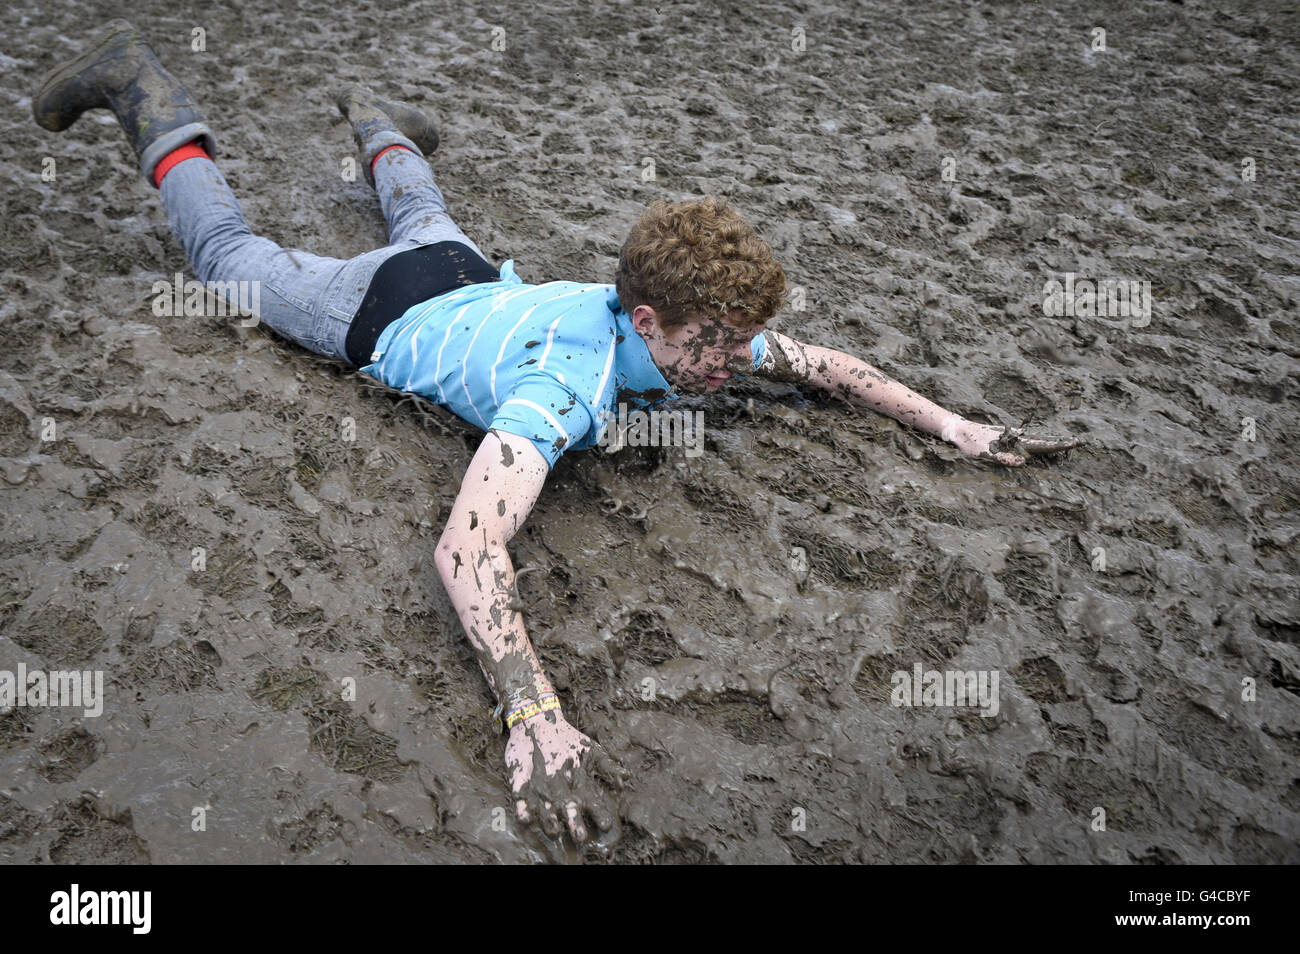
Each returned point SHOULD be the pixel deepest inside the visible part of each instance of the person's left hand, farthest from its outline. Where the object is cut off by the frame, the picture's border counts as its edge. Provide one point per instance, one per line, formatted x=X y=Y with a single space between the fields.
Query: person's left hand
x=1010 y=447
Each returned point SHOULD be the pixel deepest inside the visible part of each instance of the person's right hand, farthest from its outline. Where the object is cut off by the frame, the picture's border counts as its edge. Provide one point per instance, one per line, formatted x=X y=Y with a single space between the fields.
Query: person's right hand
x=556 y=774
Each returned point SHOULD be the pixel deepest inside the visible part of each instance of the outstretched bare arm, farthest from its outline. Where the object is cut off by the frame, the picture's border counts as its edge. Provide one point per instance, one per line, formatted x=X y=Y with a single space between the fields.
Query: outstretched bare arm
x=859 y=383
x=550 y=762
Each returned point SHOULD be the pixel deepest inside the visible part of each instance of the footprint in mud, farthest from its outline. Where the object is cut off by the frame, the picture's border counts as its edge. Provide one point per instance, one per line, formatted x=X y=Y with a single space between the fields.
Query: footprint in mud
x=317 y=827
x=578 y=677
x=832 y=851
x=15 y=728
x=406 y=636
x=15 y=821
x=1026 y=582
x=87 y=835
x=963 y=805
x=915 y=840
x=1073 y=728
x=834 y=563
x=1220 y=320
x=873 y=681
x=1117 y=685
x=1042 y=679
x=308 y=624
x=60 y=637
x=645 y=641
x=1253 y=845
x=64 y=756
x=228 y=571
x=743 y=717
x=1158 y=532
x=177 y=667
x=1085 y=784
x=947 y=595
x=1206 y=508
x=16 y=436
x=164 y=525
x=641 y=847
x=717 y=505
x=1013 y=394
x=1222 y=748
x=344 y=739
x=1112 y=464
x=349 y=744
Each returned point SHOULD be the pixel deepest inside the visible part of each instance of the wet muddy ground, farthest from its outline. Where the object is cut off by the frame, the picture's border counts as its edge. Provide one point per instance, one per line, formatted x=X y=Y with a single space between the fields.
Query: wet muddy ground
x=771 y=736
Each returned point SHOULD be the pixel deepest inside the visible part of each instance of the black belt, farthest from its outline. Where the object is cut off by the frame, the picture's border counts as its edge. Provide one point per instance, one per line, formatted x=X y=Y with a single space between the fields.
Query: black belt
x=407 y=279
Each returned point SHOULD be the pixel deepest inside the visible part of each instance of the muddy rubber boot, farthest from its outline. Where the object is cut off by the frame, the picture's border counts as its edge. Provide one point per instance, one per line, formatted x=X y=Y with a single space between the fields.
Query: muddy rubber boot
x=120 y=72
x=378 y=124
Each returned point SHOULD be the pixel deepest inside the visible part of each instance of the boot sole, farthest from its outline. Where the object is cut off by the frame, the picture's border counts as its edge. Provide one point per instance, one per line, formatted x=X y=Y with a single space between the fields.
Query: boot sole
x=61 y=74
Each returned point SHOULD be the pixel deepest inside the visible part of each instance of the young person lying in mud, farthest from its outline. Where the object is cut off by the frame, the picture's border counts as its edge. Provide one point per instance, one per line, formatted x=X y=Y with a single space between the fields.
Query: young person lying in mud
x=538 y=367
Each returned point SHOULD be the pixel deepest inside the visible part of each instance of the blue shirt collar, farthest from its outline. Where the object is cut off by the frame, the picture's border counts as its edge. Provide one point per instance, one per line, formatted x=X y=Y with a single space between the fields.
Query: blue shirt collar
x=637 y=380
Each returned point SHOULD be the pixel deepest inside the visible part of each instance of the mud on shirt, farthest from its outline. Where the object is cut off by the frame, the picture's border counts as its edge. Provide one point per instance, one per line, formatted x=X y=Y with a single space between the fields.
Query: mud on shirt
x=547 y=363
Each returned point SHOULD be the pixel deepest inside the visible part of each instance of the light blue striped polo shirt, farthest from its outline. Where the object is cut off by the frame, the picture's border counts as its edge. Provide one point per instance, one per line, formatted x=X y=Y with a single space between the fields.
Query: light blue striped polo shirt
x=548 y=363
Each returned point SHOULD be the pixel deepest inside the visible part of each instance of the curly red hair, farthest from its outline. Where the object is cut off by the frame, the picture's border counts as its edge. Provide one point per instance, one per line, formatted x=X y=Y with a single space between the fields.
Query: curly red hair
x=697 y=259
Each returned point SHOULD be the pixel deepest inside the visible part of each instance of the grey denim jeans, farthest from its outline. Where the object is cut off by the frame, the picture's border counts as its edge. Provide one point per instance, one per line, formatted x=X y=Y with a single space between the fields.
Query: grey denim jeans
x=306 y=298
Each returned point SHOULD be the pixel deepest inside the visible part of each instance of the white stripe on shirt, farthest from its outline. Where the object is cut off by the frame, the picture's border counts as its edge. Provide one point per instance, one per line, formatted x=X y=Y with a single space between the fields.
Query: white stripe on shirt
x=540 y=410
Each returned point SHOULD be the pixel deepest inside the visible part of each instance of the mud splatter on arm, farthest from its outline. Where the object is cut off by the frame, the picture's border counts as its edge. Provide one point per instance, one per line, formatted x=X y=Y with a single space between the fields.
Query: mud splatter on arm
x=853 y=380
x=558 y=776
x=500 y=487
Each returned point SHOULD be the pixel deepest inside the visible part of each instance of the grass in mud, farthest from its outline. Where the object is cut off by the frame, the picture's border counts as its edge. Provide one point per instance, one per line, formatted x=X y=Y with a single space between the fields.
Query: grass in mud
x=832 y=561
x=229 y=569
x=67 y=753
x=1025 y=582
x=341 y=736
x=88 y=834
x=177 y=667
x=947 y=588
x=60 y=637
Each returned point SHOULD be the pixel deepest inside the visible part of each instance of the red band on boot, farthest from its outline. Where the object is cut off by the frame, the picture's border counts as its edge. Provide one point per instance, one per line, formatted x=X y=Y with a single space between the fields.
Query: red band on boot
x=380 y=153
x=191 y=150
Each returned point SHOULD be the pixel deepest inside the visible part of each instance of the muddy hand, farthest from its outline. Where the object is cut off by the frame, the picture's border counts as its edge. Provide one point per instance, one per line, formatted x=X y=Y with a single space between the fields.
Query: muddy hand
x=1010 y=447
x=556 y=774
